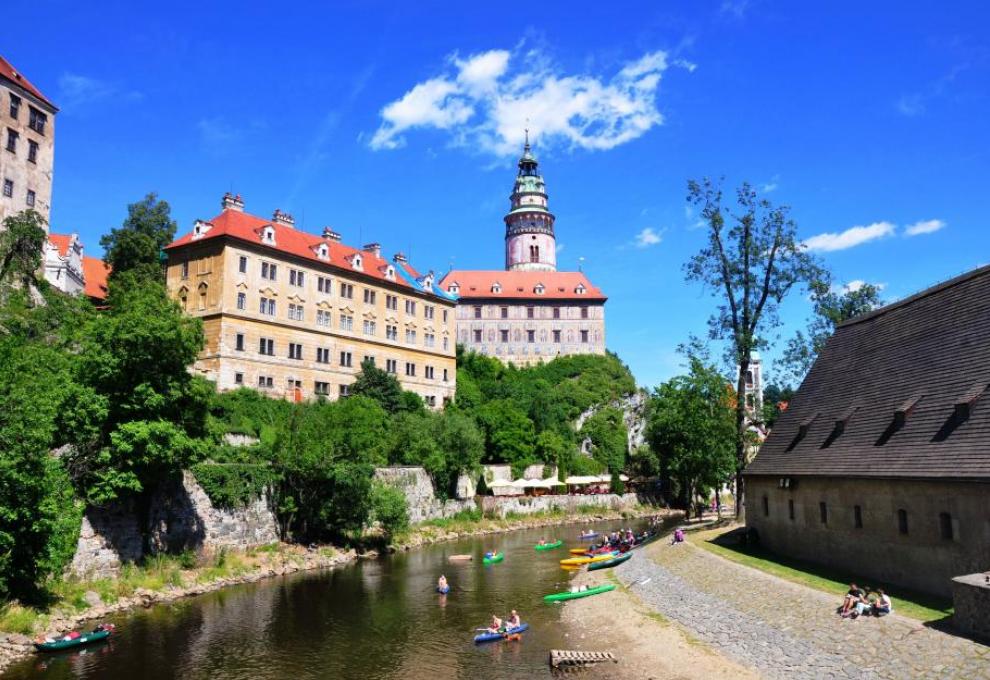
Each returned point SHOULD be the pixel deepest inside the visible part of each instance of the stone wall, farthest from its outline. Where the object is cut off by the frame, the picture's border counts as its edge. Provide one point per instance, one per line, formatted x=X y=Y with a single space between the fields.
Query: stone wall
x=971 y=600
x=180 y=517
x=877 y=552
x=421 y=499
x=527 y=505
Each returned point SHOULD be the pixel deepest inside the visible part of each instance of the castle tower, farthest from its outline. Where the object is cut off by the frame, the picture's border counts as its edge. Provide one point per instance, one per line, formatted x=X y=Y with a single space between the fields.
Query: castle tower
x=530 y=244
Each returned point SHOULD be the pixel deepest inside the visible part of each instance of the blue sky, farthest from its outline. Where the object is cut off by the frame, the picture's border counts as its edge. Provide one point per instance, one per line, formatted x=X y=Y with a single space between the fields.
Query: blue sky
x=401 y=124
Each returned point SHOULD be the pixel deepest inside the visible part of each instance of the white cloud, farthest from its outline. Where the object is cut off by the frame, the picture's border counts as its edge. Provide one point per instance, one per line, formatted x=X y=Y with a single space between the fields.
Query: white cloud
x=487 y=100
x=924 y=227
x=856 y=284
x=77 y=90
x=851 y=237
x=772 y=185
x=648 y=237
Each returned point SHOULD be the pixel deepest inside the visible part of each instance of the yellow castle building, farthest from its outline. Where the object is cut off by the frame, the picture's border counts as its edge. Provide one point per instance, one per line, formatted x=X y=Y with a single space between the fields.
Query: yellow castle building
x=295 y=314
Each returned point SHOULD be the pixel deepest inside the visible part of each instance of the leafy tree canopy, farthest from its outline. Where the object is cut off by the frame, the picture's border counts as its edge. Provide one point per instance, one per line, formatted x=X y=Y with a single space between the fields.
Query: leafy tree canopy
x=134 y=247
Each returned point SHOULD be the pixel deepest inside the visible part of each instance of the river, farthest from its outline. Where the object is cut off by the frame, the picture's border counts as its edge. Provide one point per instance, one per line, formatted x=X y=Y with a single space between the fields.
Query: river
x=373 y=619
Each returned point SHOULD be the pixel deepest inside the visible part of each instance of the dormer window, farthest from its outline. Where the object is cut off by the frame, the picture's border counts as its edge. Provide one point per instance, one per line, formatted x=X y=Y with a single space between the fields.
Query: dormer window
x=268 y=234
x=496 y=287
x=539 y=289
x=323 y=251
x=428 y=282
x=356 y=262
x=453 y=288
x=390 y=273
x=580 y=290
x=200 y=229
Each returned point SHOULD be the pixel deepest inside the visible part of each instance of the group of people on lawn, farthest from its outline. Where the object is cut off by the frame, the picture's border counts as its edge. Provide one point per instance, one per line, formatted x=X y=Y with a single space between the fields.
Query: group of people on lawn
x=858 y=602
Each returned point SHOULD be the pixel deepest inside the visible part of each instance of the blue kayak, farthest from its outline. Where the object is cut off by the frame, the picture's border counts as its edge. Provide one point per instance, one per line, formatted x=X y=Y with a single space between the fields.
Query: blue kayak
x=444 y=590
x=492 y=637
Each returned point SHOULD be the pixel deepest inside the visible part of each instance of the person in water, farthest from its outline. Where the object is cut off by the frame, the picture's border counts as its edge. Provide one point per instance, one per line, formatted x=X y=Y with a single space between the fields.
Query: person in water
x=543 y=541
x=490 y=554
x=514 y=620
x=442 y=582
x=496 y=626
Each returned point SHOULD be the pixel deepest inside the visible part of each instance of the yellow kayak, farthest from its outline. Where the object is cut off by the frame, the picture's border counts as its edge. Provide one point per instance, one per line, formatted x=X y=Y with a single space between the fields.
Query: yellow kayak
x=578 y=551
x=576 y=561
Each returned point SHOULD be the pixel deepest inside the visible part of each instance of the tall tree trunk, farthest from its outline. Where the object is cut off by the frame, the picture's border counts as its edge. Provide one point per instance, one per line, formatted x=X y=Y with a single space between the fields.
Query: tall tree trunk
x=741 y=436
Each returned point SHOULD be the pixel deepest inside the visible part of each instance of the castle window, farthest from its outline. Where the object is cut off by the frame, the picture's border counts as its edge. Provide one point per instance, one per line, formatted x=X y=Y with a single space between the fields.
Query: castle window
x=356 y=262
x=323 y=355
x=321 y=389
x=857 y=517
x=539 y=289
x=239 y=342
x=902 y=521
x=584 y=336
x=323 y=252
x=347 y=291
x=37 y=120
x=322 y=318
x=295 y=350
x=453 y=289
x=390 y=273
x=184 y=298
x=202 y=295
x=580 y=290
x=369 y=296
x=556 y=312
x=766 y=506
x=12 y=136
x=530 y=313
x=15 y=105
x=584 y=312
x=345 y=391
x=790 y=509
x=530 y=336
x=346 y=359
x=30 y=198
x=32 y=151
x=8 y=188
x=823 y=512
x=477 y=312
x=266 y=346
x=242 y=265
x=534 y=253
x=268 y=234
x=238 y=378
x=504 y=336
x=477 y=336
x=496 y=288
x=504 y=312
x=411 y=307
x=556 y=337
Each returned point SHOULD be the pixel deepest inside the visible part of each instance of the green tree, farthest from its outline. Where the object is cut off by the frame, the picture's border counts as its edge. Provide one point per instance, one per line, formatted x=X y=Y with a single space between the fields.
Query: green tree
x=22 y=243
x=609 y=438
x=388 y=507
x=134 y=358
x=133 y=248
x=383 y=387
x=463 y=446
x=691 y=428
x=39 y=517
x=830 y=308
x=773 y=396
x=509 y=434
x=750 y=264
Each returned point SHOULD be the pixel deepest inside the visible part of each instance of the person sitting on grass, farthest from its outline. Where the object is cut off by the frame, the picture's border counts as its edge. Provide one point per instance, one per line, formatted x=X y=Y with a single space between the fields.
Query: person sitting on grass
x=852 y=598
x=883 y=605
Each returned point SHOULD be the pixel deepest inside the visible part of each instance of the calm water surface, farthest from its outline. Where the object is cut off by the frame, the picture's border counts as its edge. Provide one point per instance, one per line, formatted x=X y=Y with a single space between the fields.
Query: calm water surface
x=374 y=619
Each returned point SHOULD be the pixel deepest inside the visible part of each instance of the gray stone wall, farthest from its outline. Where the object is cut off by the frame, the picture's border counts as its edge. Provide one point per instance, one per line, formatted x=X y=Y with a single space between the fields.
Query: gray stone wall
x=180 y=517
x=971 y=601
x=878 y=553
x=528 y=505
x=421 y=499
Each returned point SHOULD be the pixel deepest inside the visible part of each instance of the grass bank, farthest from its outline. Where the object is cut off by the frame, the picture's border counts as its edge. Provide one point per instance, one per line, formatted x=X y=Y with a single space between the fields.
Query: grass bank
x=915 y=605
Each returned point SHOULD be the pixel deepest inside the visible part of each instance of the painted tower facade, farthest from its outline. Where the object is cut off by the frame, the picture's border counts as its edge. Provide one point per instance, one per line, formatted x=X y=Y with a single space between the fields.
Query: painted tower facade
x=530 y=244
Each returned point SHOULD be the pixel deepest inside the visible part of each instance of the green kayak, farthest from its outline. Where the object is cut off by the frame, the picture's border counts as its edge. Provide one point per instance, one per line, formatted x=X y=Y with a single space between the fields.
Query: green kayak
x=497 y=557
x=558 y=597
x=549 y=546
x=610 y=563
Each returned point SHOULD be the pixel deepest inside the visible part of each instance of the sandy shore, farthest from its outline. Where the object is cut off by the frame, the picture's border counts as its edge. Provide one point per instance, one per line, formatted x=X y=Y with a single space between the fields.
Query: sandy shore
x=647 y=645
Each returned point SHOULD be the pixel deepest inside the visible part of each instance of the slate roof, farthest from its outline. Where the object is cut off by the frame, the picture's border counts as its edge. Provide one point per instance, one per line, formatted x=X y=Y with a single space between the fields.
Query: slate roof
x=900 y=392
x=521 y=285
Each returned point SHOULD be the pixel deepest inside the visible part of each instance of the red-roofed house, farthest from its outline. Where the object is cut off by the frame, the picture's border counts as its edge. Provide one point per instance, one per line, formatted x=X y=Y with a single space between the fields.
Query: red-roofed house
x=70 y=270
x=27 y=145
x=295 y=313
x=529 y=312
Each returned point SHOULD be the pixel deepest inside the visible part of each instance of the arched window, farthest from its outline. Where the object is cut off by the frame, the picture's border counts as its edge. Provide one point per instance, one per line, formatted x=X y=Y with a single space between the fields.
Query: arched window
x=202 y=295
x=534 y=253
x=184 y=298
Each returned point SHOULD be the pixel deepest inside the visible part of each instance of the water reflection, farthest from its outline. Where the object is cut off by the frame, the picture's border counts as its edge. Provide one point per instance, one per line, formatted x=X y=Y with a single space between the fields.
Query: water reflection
x=375 y=619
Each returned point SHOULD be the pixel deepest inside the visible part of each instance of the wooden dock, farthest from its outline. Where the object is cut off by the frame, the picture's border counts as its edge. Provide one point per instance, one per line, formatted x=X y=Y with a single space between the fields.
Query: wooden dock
x=564 y=658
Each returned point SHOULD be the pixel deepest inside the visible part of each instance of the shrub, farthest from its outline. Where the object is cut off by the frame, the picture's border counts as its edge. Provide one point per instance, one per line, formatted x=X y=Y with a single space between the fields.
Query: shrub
x=388 y=507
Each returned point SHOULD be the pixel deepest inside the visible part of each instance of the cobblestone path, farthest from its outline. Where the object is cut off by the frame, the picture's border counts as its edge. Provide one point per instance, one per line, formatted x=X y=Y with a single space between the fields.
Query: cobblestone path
x=785 y=630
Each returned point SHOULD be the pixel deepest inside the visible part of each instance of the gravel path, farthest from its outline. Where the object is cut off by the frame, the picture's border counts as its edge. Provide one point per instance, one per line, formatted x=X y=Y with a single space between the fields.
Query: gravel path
x=787 y=630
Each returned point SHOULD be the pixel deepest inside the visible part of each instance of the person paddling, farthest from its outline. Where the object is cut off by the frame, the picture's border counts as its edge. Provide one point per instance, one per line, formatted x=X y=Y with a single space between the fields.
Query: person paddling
x=514 y=620
x=496 y=626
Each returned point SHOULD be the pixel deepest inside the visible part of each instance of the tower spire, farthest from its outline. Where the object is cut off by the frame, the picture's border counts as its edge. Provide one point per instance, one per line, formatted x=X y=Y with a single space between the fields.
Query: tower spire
x=530 y=244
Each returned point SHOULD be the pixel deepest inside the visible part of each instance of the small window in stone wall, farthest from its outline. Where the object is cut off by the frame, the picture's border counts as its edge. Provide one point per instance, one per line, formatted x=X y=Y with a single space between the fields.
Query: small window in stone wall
x=902 y=523
x=766 y=506
x=857 y=517
x=790 y=509
x=823 y=512
x=945 y=526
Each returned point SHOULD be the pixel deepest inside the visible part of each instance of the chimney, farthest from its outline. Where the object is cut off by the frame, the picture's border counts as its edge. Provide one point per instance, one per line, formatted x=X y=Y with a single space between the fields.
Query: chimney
x=231 y=202
x=373 y=248
x=330 y=234
x=399 y=257
x=282 y=218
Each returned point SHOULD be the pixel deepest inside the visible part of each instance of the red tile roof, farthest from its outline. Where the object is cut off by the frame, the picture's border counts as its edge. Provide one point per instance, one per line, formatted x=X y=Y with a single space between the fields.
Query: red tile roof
x=241 y=225
x=61 y=241
x=95 y=273
x=521 y=285
x=10 y=73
